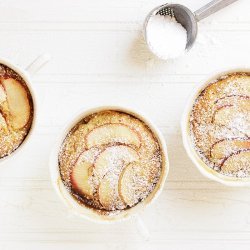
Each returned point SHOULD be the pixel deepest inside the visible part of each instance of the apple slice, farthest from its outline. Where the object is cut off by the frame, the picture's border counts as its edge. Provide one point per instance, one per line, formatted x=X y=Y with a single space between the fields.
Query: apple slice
x=113 y=158
x=223 y=148
x=236 y=162
x=221 y=113
x=133 y=183
x=3 y=123
x=80 y=179
x=18 y=101
x=113 y=133
x=82 y=173
x=108 y=193
x=233 y=117
x=3 y=97
x=241 y=100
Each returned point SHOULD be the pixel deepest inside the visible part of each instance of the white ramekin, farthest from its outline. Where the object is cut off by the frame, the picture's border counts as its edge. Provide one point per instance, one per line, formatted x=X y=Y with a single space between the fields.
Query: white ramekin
x=84 y=211
x=185 y=127
x=25 y=74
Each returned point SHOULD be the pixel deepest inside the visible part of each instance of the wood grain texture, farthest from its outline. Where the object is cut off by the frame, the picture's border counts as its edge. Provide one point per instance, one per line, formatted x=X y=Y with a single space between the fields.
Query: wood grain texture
x=99 y=57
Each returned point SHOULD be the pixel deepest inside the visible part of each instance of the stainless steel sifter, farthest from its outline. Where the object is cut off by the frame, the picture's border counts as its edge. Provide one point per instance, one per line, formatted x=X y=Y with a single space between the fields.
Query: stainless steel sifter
x=186 y=17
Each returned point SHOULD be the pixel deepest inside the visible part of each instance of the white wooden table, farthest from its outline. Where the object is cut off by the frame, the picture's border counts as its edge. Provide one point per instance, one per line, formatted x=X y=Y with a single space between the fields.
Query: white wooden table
x=98 y=57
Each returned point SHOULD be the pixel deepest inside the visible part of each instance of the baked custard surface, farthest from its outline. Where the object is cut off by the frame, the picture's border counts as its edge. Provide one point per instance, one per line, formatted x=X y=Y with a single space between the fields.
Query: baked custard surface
x=220 y=125
x=110 y=161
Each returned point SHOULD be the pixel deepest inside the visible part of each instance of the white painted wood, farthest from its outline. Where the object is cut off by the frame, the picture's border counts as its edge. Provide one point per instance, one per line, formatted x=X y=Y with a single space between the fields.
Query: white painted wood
x=99 y=57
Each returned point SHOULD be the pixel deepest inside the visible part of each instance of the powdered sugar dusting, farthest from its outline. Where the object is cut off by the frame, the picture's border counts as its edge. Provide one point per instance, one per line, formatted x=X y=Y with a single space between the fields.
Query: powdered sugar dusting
x=166 y=37
x=124 y=140
x=220 y=125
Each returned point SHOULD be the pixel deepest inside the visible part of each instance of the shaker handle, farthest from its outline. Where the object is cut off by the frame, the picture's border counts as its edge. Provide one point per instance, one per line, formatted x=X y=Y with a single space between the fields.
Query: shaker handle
x=211 y=8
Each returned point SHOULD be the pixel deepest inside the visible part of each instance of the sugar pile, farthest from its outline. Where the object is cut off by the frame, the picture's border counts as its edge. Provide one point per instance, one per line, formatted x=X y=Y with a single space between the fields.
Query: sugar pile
x=166 y=37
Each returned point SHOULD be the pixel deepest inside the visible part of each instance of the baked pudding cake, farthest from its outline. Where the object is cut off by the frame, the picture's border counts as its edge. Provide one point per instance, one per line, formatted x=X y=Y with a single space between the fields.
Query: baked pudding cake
x=110 y=161
x=220 y=125
x=16 y=110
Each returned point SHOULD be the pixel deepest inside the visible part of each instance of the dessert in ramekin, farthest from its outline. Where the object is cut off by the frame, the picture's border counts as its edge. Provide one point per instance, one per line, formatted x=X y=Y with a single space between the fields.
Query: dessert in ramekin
x=216 y=128
x=110 y=162
x=16 y=109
